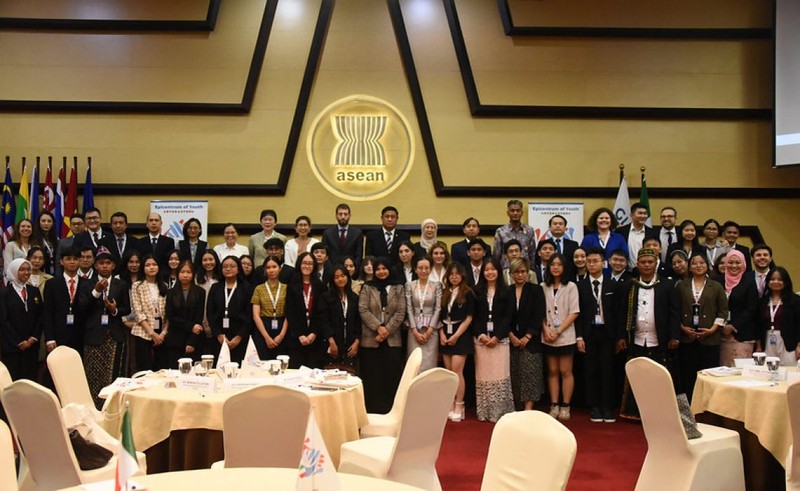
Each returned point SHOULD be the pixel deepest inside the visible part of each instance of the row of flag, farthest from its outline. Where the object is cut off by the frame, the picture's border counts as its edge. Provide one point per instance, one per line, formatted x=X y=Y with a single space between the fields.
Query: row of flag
x=59 y=197
x=622 y=206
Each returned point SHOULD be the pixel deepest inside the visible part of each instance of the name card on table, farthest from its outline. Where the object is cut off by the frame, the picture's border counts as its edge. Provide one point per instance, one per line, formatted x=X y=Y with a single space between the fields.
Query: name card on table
x=762 y=373
x=245 y=383
x=202 y=384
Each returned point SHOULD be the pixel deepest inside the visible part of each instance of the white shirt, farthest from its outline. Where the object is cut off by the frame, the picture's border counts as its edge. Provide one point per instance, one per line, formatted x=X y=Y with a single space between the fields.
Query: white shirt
x=635 y=241
x=645 y=333
x=224 y=251
x=291 y=250
x=663 y=235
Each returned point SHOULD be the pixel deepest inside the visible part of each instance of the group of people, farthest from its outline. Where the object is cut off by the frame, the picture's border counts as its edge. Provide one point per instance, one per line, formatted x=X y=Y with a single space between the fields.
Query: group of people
x=362 y=301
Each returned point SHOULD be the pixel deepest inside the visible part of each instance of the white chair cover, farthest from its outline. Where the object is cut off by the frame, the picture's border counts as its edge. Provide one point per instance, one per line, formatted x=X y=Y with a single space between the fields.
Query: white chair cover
x=409 y=458
x=8 y=471
x=66 y=368
x=387 y=424
x=529 y=430
x=673 y=462
x=793 y=459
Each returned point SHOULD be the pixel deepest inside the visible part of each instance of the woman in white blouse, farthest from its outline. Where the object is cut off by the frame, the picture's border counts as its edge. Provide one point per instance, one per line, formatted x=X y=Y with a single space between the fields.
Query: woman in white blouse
x=23 y=238
x=230 y=247
x=439 y=258
x=302 y=242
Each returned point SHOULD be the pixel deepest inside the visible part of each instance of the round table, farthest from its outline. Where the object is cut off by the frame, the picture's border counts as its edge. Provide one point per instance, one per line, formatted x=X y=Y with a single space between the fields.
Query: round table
x=187 y=424
x=247 y=478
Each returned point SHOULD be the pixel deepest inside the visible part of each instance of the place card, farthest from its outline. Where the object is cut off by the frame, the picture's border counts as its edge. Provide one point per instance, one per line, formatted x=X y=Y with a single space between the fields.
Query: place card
x=232 y=384
x=192 y=382
x=762 y=373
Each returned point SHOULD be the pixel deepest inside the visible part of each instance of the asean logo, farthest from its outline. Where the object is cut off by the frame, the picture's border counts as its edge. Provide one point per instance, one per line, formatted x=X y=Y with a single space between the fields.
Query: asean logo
x=360 y=148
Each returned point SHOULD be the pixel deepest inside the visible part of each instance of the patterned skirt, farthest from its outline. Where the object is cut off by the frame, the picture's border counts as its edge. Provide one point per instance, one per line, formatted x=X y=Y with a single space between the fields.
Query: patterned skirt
x=493 y=381
x=103 y=364
x=527 y=380
x=730 y=349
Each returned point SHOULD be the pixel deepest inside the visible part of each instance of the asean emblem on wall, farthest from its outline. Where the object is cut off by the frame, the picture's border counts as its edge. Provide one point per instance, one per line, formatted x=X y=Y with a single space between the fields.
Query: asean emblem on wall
x=360 y=148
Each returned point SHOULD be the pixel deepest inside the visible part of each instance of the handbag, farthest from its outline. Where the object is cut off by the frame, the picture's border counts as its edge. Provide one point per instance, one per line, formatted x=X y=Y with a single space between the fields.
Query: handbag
x=90 y=455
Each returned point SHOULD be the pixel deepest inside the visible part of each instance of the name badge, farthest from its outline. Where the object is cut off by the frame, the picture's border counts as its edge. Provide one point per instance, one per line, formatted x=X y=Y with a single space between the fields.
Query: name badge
x=490 y=327
x=157 y=324
x=598 y=319
x=226 y=323
x=70 y=319
x=383 y=316
x=449 y=327
x=104 y=320
x=274 y=324
x=773 y=338
x=556 y=323
x=696 y=316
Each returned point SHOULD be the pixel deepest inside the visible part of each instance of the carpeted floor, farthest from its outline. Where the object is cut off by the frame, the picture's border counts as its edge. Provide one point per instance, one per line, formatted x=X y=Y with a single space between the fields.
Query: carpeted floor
x=609 y=454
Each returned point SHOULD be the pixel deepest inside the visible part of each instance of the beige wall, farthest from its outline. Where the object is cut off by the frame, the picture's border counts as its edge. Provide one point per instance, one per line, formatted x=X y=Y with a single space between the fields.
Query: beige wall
x=361 y=56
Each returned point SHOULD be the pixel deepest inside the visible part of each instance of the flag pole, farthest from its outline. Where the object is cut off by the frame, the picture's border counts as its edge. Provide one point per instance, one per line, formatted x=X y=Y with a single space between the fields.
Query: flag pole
x=621 y=172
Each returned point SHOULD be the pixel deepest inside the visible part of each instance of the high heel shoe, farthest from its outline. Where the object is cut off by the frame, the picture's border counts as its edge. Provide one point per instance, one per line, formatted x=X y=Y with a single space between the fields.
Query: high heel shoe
x=458 y=414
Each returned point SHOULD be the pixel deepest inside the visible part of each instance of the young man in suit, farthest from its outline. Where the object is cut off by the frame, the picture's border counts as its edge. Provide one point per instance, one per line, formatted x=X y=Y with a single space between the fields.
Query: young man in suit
x=344 y=240
x=384 y=241
x=596 y=335
x=636 y=232
x=119 y=242
x=155 y=243
x=649 y=319
x=94 y=230
x=619 y=266
x=77 y=226
x=667 y=233
x=761 y=254
x=459 y=252
x=557 y=229
x=731 y=232
x=477 y=254
x=63 y=322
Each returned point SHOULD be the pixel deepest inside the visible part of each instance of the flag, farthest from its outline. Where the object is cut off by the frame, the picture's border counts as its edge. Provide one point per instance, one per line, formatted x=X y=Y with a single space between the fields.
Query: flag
x=645 y=200
x=33 y=203
x=62 y=219
x=9 y=206
x=224 y=355
x=251 y=354
x=22 y=195
x=127 y=463
x=316 y=469
x=622 y=207
x=71 y=202
x=88 y=192
x=49 y=196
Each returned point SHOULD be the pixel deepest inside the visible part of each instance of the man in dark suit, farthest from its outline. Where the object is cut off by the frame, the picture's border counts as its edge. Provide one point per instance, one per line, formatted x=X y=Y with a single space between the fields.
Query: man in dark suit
x=77 y=226
x=94 y=230
x=667 y=233
x=636 y=232
x=324 y=270
x=63 y=322
x=618 y=263
x=564 y=245
x=731 y=231
x=344 y=240
x=477 y=255
x=119 y=242
x=763 y=267
x=459 y=252
x=649 y=319
x=155 y=243
x=544 y=251
x=384 y=241
x=597 y=336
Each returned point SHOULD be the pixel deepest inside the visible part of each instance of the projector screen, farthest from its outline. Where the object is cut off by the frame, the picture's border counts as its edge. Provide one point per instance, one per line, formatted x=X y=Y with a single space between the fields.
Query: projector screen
x=787 y=83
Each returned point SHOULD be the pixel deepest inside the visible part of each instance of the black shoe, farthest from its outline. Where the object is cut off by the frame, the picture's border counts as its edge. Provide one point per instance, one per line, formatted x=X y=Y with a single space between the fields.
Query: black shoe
x=608 y=416
x=596 y=416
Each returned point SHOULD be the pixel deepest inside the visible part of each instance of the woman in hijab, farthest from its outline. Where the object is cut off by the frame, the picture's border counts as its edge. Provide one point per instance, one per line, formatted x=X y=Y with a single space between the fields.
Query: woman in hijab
x=382 y=306
x=428 y=236
x=739 y=336
x=21 y=321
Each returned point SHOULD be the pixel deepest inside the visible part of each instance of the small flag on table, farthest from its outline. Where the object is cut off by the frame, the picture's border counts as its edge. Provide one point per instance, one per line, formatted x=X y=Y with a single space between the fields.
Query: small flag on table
x=224 y=355
x=316 y=468
x=127 y=463
x=251 y=357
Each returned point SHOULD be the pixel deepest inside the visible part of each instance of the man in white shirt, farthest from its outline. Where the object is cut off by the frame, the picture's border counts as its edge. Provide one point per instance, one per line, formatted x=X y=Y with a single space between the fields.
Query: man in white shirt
x=636 y=232
x=667 y=234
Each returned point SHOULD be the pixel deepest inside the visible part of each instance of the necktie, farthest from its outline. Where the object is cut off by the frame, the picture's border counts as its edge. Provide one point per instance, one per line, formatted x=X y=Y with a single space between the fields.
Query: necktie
x=476 y=274
x=558 y=246
x=24 y=294
x=342 y=237
x=94 y=235
x=155 y=241
x=389 y=241
x=670 y=238
x=596 y=284
x=761 y=281
x=119 y=245
x=71 y=289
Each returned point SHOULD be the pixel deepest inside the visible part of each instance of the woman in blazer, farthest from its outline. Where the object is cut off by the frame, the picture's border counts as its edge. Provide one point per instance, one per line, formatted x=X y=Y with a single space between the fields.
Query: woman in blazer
x=779 y=318
x=191 y=247
x=303 y=314
x=149 y=302
x=739 y=335
x=185 y=304
x=423 y=306
x=703 y=309
x=382 y=306
x=602 y=224
x=687 y=242
x=527 y=313
x=21 y=316
x=341 y=322
x=229 y=312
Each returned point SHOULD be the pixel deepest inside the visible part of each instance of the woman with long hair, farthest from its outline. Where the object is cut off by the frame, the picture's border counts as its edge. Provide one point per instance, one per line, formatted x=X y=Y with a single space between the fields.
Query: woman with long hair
x=303 y=314
x=527 y=316
x=404 y=268
x=739 y=334
x=779 y=318
x=269 y=312
x=687 y=242
x=602 y=224
x=710 y=242
x=455 y=336
x=37 y=258
x=170 y=275
x=185 y=303
x=341 y=322
x=423 y=306
x=382 y=306
x=439 y=258
x=352 y=269
x=559 y=336
x=493 y=394
x=248 y=269
x=149 y=302
x=23 y=238
x=207 y=276
x=47 y=232
x=229 y=312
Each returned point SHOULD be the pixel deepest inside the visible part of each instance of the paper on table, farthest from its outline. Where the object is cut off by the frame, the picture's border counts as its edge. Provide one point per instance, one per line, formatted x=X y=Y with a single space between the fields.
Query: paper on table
x=722 y=371
x=750 y=383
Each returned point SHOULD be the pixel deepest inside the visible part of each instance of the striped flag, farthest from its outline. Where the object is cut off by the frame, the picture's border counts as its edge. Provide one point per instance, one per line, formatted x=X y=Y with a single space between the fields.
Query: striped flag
x=33 y=203
x=9 y=206
x=88 y=191
x=71 y=202
x=49 y=196
x=22 y=195
x=62 y=219
x=127 y=464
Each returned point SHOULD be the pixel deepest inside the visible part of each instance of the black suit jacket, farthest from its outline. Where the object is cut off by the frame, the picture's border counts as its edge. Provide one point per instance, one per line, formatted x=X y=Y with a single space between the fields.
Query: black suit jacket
x=667 y=312
x=240 y=311
x=376 y=244
x=94 y=308
x=110 y=242
x=57 y=306
x=182 y=315
x=609 y=297
x=202 y=246
x=743 y=308
x=17 y=323
x=344 y=327
x=164 y=246
x=528 y=317
x=501 y=313
x=746 y=251
x=353 y=246
x=459 y=252
x=84 y=239
x=790 y=321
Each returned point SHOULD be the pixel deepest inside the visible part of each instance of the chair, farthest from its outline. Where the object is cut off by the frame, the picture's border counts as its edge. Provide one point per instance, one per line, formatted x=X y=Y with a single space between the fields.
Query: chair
x=527 y=431
x=386 y=424
x=8 y=469
x=35 y=416
x=410 y=457
x=5 y=377
x=793 y=458
x=673 y=462
x=66 y=368
x=264 y=427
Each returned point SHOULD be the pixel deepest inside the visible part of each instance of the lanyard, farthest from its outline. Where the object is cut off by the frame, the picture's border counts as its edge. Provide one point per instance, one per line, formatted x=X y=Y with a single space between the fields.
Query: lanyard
x=422 y=295
x=773 y=309
x=307 y=302
x=698 y=294
x=344 y=302
x=228 y=296
x=490 y=301
x=274 y=299
x=603 y=242
x=153 y=296
x=453 y=295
